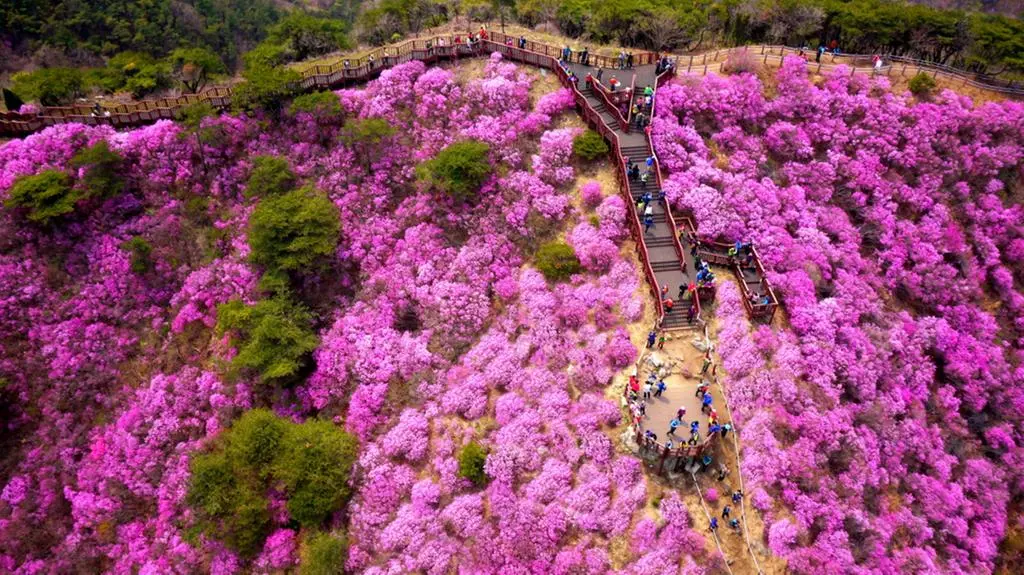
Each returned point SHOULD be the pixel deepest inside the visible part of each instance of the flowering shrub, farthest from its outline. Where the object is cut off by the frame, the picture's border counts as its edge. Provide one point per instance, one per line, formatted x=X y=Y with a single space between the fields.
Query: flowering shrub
x=428 y=333
x=878 y=416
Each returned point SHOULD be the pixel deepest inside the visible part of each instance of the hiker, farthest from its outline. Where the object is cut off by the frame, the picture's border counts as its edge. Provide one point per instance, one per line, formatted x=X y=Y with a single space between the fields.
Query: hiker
x=725 y=512
x=638 y=120
x=705 y=402
x=681 y=412
x=643 y=180
x=622 y=59
x=661 y=342
x=690 y=313
x=713 y=415
x=613 y=83
x=726 y=428
x=567 y=54
x=600 y=72
x=713 y=428
x=661 y=388
x=629 y=60
x=694 y=438
x=648 y=90
x=737 y=496
x=668 y=444
x=668 y=305
x=632 y=171
x=672 y=425
x=723 y=470
x=714 y=524
x=346 y=64
x=650 y=339
x=585 y=56
x=705 y=462
x=522 y=42
x=821 y=50
x=650 y=435
x=735 y=524
x=878 y=62
x=646 y=199
x=649 y=211
x=634 y=384
x=707 y=364
x=683 y=294
x=647 y=391
x=648 y=223
x=636 y=172
x=702 y=388
x=694 y=426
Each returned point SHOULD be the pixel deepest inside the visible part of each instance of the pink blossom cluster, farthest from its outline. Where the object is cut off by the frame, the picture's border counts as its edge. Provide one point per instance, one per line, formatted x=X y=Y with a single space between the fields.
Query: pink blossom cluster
x=884 y=415
x=434 y=328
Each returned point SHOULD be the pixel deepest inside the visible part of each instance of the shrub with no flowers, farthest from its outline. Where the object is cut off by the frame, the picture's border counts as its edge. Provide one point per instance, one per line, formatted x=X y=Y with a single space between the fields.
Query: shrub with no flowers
x=589 y=145
x=557 y=261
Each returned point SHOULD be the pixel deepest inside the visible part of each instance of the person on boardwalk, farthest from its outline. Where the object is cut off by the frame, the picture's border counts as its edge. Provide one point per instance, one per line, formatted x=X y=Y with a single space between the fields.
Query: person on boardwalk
x=723 y=470
x=735 y=524
x=680 y=413
x=650 y=339
x=726 y=428
x=600 y=72
x=737 y=496
x=705 y=402
x=643 y=180
x=695 y=426
x=714 y=524
x=725 y=512
x=821 y=50
x=648 y=90
x=648 y=223
x=672 y=425
x=629 y=60
x=669 y=304
x=702 y=388
x=664 y=288
x=661 y=388
x=706 y=365
x=585 y=56
x=622 y=60
x=661 y=341
x=522 y=42
x=647 y=391
x=690 y=312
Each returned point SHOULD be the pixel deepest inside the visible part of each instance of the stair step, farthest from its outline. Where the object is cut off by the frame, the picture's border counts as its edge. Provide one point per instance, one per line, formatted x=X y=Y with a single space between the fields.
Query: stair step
x=659 y=242
x=666 y=266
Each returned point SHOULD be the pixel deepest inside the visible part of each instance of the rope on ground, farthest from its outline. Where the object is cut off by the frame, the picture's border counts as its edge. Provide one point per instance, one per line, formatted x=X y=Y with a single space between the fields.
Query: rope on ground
x=739 y=475
x=714 y=532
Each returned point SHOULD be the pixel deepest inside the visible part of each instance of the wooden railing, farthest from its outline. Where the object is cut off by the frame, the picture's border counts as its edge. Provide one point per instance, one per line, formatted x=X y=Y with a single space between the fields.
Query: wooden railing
x=895 y=66
x=605 y=95
x=592 y=117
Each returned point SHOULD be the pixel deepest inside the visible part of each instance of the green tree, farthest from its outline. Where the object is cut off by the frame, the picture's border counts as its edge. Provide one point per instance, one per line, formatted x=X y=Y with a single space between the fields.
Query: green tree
x=274 y=337
x=322 y=554
x=256 y=441
x=141 y=254
x=46 y=196
x=270 y=176
x=472 y=458
x=194 y=67
x=292 y=233
x=557 y=261
x=314 y=469
x=136 y=72
x=323 y=104
x=589 y=145
x=458 y=170
x=101 y=170
x=265 y=88
x=311 y=462
x=365 y=136
x=308 y=35
x=921 y=85
x=50 y=86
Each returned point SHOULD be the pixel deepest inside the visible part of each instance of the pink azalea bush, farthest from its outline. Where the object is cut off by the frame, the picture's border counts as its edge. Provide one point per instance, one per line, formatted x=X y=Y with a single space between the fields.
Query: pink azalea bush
x=434 y=331
x=881 y=421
